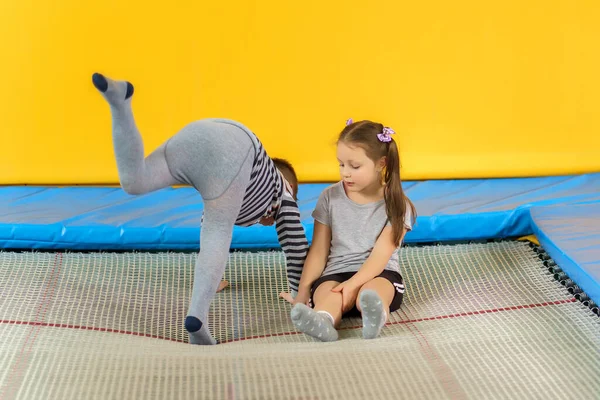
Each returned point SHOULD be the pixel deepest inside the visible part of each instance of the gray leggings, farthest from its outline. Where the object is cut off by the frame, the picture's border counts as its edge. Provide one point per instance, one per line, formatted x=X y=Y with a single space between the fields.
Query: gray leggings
x=214 y=156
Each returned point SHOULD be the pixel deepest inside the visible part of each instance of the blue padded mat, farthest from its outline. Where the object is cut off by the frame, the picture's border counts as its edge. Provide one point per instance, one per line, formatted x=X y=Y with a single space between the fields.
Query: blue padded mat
x=571 y=236
x=102 y=218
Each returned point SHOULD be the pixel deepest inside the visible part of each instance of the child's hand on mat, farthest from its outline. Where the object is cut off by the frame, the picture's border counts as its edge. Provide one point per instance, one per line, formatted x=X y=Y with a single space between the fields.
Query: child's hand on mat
x=267 y=221
x=301 y=297
x=222 y=285
x=349 y=293
x=287 y=297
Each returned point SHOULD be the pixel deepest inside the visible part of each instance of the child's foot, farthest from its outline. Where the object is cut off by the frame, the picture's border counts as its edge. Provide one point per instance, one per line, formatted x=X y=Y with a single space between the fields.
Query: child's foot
x=198 y=332
x=222 y=285
x=373 y=314
x=113 y=91
x=313 y=323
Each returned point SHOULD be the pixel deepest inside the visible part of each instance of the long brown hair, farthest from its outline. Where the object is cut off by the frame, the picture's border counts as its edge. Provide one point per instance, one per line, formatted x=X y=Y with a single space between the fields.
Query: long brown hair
x=365 y=134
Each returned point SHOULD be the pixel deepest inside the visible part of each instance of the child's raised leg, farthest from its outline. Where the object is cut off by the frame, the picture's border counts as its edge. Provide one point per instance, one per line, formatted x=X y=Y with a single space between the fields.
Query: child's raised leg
x=137 y=174
x=320 y=322
x=374 y=301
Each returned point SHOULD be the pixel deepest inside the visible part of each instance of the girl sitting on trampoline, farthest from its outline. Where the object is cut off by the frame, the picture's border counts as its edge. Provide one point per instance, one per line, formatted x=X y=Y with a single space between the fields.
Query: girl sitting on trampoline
x=352 y=266
x=239 y=184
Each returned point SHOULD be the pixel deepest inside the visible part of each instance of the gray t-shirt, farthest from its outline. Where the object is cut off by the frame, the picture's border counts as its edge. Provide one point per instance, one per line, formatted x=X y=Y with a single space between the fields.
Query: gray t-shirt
x=354 y=229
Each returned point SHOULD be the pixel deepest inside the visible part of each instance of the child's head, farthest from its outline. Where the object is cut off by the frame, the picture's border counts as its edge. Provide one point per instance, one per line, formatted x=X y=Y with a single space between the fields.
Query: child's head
x=368 y=158
x=288 y=173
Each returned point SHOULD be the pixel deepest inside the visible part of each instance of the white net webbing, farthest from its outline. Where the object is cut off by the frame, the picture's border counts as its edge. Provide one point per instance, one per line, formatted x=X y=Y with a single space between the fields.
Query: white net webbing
x=478 y=321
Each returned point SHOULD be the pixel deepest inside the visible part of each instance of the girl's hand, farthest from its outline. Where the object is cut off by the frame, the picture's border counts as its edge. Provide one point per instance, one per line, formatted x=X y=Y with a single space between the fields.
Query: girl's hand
x=349 y=293
x=302 y=297
x=222 y=285
x=267 y=221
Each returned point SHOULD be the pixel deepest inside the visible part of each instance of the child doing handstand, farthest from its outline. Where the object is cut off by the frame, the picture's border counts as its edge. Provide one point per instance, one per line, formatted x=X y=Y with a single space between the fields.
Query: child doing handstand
x=238 y=182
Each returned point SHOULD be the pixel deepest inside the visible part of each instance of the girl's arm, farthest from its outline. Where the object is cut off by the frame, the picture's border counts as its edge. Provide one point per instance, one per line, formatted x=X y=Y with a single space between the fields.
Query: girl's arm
x=316 y=259
x=375 y=264
x=317 y=256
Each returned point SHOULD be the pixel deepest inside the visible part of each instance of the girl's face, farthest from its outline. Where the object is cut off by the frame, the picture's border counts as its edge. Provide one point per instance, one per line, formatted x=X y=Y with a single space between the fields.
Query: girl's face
x=357 y=170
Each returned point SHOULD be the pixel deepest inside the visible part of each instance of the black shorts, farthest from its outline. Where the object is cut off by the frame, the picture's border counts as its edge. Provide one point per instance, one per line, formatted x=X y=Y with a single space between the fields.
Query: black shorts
x=394 y=277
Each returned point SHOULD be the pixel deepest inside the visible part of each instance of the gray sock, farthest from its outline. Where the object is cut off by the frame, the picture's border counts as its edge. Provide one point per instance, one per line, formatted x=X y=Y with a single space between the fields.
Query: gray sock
x=114 y=91
x=373 y=314
x=198 y=331
x=138 y=175
x=316 y=324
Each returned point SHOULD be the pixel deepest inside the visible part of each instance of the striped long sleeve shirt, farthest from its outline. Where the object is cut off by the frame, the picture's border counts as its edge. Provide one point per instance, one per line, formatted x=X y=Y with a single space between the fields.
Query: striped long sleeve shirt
x=269 y=195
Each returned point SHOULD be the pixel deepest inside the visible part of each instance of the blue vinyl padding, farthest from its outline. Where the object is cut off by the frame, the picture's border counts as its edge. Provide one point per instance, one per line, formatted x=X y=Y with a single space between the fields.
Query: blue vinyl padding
x=571 y=236
x=563 y=212
x=103 y=218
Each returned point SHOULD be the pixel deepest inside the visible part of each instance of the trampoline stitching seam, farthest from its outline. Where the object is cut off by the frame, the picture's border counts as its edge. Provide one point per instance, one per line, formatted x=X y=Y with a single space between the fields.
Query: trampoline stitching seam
x=22 y=360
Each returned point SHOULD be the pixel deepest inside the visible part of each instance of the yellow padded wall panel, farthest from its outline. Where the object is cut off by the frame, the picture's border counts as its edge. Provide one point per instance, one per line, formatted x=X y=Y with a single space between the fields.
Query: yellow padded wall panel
x=473 y=89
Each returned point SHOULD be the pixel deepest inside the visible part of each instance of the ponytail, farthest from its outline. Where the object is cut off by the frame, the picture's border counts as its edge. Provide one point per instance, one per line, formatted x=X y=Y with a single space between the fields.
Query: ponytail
x=395 y=199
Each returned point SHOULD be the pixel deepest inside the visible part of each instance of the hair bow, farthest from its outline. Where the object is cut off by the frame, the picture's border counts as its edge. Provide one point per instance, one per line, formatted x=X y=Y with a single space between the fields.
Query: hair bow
x=385 y=135
x=349 y=122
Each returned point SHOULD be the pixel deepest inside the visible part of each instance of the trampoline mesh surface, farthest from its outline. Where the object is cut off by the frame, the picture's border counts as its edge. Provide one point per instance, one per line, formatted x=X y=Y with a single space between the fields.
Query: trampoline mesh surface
x=478 y=321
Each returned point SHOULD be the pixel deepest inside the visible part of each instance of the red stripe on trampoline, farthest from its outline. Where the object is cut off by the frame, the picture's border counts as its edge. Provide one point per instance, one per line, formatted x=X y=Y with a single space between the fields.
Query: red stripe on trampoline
x=489 y=311
x=439 y=317
x=88 y=328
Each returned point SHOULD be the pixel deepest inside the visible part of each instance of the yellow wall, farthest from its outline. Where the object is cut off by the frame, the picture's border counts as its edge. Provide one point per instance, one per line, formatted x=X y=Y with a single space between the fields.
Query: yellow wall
x=474 y=89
